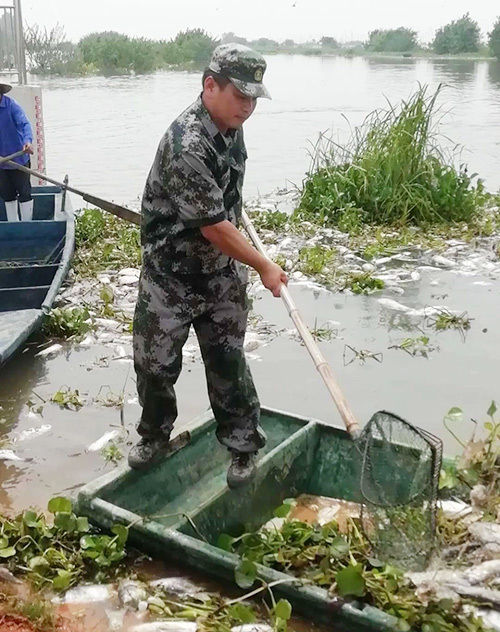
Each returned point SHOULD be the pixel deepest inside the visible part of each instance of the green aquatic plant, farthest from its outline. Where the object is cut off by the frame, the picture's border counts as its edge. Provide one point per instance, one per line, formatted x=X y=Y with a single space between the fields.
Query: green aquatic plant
x=419 y=346
x=444 y=319
x=65 y=397
x=104 y=241
x=67 y=323
x=312 y=260
x=392 y=171
x=111 y=453
x=61 y=554
x=363 y=283
x=344 y=564
x=269 y=220
x=479 y=462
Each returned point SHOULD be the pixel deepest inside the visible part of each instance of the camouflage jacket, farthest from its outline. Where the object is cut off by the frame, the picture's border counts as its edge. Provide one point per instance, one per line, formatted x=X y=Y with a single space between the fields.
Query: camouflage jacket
x=196 y=180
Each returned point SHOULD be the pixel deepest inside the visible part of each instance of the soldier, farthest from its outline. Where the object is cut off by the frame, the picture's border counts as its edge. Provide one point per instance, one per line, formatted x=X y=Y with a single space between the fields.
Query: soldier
x=191 y=271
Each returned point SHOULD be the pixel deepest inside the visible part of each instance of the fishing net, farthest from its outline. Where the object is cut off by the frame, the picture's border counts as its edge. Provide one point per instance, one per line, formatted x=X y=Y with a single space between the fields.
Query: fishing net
x=399 y=485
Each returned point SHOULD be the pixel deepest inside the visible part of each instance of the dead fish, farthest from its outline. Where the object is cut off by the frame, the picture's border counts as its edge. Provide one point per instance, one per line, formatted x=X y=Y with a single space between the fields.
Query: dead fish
x=49 y=350
x=33 y=432
x=104 y=440
x=131 y=593
x=89 y=593
x=491 y=618
x=180 y=586
x=166 y=626
x=7 y=576
x=485 y=532
x=484 y=595
x=482 y=572
x=252 y=627
x=8 y=455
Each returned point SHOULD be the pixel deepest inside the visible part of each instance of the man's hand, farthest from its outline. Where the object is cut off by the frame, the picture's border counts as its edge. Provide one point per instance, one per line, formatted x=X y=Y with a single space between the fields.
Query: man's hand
x=272 y=277
x=28 y=148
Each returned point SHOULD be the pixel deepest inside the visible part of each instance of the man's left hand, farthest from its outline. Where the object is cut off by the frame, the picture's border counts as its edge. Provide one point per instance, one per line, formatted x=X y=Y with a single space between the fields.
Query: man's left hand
x=28 y=148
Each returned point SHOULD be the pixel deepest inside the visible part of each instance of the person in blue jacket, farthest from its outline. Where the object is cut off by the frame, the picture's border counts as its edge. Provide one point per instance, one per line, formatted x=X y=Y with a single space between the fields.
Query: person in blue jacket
x=15 y=134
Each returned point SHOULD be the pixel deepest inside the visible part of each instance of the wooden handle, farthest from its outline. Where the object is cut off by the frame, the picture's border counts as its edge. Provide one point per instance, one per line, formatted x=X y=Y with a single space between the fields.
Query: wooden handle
x=12 y=156
x=116 y=209
x=321 y=364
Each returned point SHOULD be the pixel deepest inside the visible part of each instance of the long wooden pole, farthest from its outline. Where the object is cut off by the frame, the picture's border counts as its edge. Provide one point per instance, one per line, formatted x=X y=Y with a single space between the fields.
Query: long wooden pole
x=11 y=157
x=319 y=360
x=116 y=209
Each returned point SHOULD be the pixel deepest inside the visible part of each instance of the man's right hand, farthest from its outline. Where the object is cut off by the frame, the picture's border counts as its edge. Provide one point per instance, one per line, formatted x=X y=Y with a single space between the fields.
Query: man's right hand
x=273 y=277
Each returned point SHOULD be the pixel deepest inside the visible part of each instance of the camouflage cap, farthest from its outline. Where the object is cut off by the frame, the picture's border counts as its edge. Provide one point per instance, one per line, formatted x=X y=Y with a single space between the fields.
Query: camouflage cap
x=242 y=66
x=5 y=87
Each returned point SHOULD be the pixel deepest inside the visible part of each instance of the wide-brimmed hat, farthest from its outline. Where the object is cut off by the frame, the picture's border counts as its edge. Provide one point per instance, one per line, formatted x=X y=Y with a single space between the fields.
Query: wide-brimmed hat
x=243 y=66
x=5 y=87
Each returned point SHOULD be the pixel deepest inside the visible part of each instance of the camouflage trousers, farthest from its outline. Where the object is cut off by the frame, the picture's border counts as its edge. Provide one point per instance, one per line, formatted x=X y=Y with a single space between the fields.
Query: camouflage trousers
x=217 y=307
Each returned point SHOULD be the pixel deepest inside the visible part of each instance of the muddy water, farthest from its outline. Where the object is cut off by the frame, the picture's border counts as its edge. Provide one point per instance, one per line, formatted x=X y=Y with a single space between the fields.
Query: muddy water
x=104 y=132
x=462 y=373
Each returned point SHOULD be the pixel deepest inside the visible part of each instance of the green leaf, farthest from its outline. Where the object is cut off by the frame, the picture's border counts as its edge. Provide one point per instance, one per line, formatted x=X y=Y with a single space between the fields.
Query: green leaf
x=4 y=542
x=454 y=414
x=283 y=609
x=30 y=519
x=38 y=562
x=7 y=552
x=350 y=581
x=492 y=409
x=282 y=511
x=243 y=614
x=82 y=524
x=121 y=531
x=375 y=562
x=62 y=581
x=245 y=574
x=65 y=521
x=60 y=503
x=339 y=547
x=225 y=542
x=89 y=541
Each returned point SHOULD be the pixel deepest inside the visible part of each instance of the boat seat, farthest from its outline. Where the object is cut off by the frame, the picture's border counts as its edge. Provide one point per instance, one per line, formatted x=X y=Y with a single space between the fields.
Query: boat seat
x=22 y=297
x=32 y=241
x=27 y=276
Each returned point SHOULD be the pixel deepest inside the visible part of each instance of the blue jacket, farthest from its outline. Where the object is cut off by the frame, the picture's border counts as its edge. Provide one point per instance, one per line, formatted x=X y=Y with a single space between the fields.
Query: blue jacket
x=15 y=130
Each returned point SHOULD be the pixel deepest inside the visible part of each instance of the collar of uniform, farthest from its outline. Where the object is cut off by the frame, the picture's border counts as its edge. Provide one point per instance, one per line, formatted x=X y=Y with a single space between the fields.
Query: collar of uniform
x=210 y=126
x=3 y=102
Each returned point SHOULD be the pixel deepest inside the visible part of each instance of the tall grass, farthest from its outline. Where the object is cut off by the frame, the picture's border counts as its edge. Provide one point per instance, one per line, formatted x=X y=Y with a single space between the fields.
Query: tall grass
x=392 y=171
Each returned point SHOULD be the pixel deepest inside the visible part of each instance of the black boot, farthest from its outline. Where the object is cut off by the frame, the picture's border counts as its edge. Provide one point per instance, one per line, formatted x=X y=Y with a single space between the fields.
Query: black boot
x=242 y=469
x=147 y=452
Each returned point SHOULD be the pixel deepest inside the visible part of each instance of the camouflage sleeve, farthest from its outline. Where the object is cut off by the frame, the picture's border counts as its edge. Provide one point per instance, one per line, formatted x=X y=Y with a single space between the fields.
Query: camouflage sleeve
x=195 y=192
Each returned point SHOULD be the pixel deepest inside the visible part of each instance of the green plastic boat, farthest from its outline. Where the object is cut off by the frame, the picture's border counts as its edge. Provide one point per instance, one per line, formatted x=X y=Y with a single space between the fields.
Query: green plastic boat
x=187 y=504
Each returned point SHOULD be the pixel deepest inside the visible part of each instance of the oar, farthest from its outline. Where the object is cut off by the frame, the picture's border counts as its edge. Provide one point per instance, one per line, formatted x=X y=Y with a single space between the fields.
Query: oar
x=12 y=156
x=116 y=209
x=319 y=360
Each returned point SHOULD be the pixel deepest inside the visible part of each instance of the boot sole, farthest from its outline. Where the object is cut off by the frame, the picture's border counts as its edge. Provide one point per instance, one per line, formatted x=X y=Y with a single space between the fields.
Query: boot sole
x=177 y=443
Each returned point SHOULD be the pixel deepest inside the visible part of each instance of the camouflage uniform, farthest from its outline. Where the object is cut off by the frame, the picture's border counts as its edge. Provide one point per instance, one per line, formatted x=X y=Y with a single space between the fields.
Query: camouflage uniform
x=196 y=180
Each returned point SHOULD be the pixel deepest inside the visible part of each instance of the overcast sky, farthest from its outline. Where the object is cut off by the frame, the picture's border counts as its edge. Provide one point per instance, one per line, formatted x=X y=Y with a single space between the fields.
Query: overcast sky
x=300 y=20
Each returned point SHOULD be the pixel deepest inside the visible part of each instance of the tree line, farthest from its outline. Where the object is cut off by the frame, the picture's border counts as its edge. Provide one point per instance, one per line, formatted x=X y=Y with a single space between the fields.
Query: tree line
x=49 y=52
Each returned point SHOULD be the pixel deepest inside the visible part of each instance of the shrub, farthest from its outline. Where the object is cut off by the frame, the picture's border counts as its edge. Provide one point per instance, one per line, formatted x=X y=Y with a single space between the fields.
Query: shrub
x=392 y=171
x=393 y=40
x=459 y=36
x=494 y=39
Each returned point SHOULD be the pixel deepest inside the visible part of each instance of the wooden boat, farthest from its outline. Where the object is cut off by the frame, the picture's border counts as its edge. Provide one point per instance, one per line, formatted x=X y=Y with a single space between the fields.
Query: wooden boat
x=189 y=488
x=34 y=260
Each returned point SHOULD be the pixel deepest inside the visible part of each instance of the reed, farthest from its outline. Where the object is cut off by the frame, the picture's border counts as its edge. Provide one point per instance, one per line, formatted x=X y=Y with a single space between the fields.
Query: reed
x=392 y=171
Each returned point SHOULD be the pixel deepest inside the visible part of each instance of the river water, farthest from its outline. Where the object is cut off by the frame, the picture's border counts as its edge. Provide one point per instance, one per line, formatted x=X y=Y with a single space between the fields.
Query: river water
x=104 y=132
